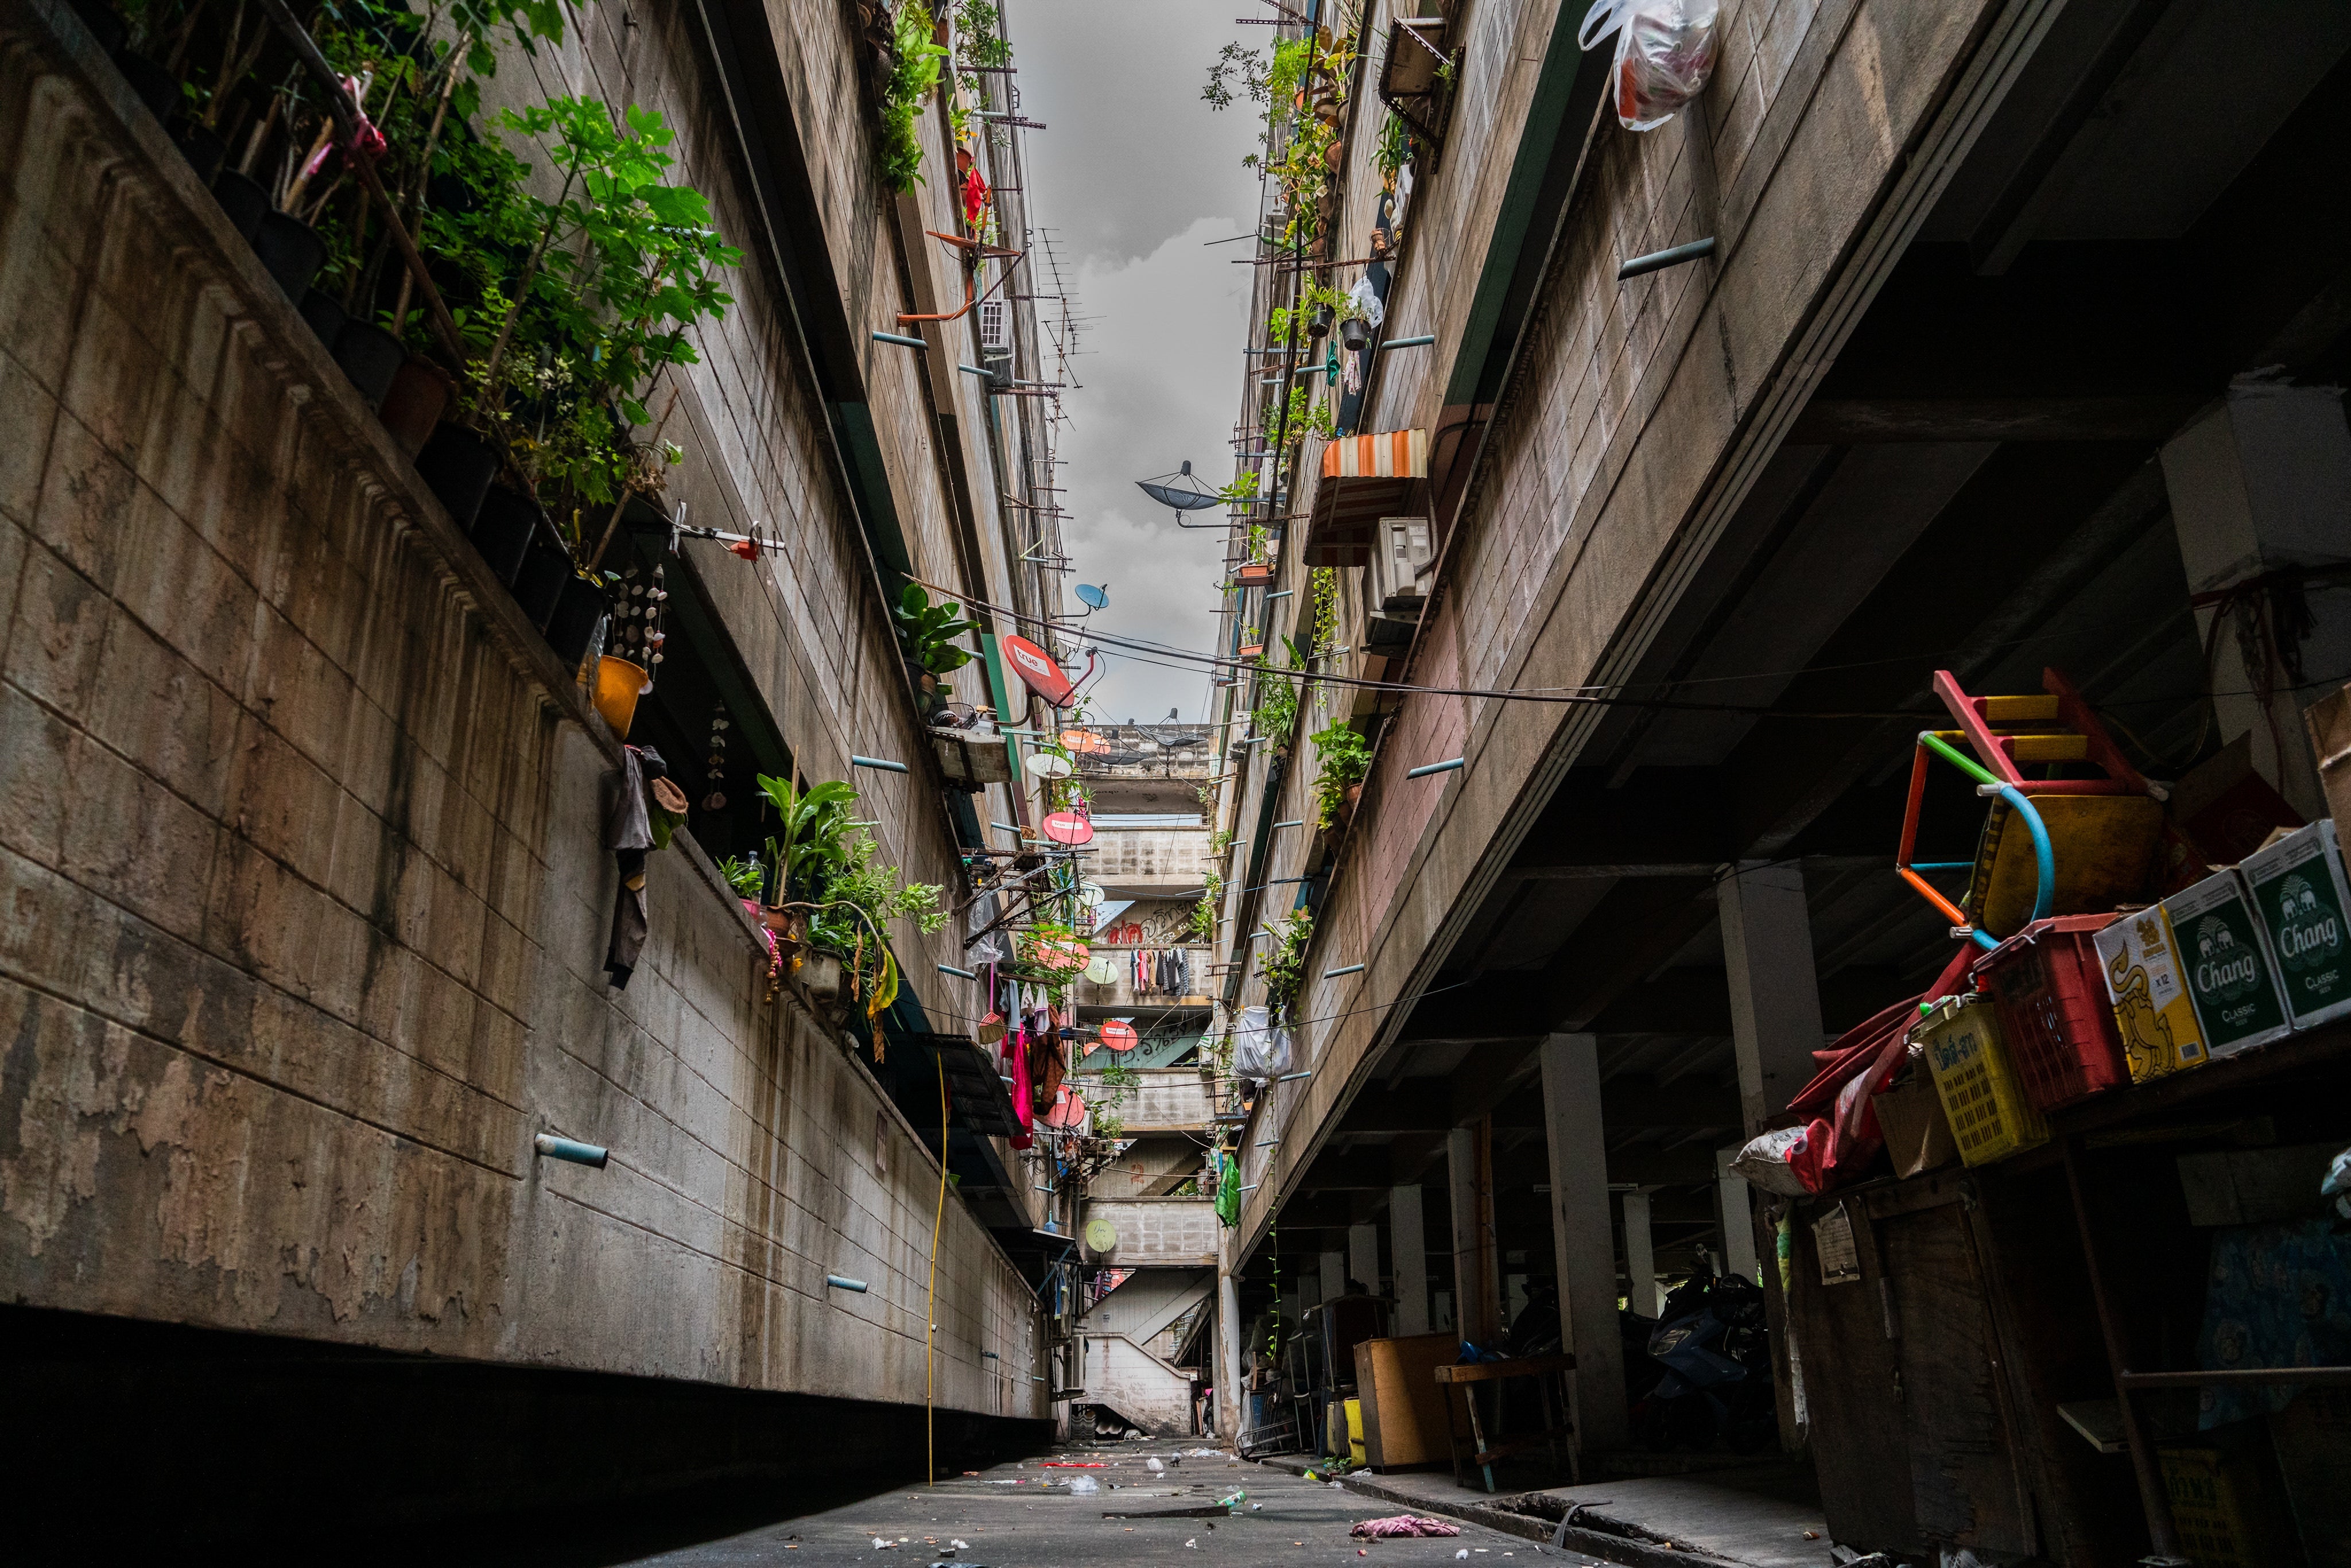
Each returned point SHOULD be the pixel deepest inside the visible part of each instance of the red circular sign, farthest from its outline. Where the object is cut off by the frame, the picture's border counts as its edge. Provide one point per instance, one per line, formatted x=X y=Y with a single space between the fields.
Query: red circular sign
x=1036 y=669
x=1068 y=1109
x=1069 y=828
x=1117 y=1036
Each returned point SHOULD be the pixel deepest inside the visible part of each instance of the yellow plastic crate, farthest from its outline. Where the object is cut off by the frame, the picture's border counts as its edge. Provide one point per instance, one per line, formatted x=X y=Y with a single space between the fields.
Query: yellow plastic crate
x=2219 y=1509
x=1355 y=1430
x=1992 y=1117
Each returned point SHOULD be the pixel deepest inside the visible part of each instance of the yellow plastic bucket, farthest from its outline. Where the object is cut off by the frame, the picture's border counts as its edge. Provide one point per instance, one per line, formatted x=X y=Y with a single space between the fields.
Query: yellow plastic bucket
x=618 y=685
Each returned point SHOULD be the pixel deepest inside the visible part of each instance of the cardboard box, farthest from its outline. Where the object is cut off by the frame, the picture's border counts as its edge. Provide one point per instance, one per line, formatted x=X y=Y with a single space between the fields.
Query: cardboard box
x=2298 y=887
x=1918 y=1135
x=2140 y=958
x=2226 y=958
x=1403 y=1406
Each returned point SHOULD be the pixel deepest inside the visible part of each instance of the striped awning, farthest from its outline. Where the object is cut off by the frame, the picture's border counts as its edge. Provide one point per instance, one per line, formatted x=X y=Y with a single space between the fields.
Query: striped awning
x=1364 y=479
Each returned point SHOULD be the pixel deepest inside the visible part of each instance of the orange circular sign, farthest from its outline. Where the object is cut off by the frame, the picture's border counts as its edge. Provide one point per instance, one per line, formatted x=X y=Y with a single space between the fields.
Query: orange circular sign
x=1117 y=1036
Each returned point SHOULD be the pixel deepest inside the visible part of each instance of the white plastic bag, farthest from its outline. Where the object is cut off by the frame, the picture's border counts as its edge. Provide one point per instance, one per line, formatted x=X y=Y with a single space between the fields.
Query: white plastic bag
x=1666 y=50
x=1084 y=1486
x=1260 y=1048
x=1768 y=1162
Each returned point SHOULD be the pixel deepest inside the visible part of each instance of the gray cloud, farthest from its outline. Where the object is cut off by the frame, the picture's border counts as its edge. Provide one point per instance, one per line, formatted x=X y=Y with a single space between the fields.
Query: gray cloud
x=1135 y=176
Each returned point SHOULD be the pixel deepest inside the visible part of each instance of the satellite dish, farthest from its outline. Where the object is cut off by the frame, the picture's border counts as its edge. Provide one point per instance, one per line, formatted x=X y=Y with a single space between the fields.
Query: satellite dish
x=1091 y=892
x=1045 y=765
x=1036 y=669
x=1182 y=491
x=1102 y=1235
x=1071 y=827
x=1117 y=1035
x=1101 y=971
x=1094 y=598
x=1068 y=1109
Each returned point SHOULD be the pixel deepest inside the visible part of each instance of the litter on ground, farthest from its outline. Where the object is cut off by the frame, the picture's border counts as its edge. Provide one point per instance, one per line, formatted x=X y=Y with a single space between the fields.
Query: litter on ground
x=1404 y=1525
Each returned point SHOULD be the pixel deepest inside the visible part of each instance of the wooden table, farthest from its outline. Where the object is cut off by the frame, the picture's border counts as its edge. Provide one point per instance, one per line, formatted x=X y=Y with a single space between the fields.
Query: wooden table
x=1543 y=1369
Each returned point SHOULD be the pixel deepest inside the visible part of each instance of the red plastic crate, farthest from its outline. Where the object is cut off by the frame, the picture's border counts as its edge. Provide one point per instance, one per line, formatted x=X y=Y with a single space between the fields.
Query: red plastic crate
x=2051 y=995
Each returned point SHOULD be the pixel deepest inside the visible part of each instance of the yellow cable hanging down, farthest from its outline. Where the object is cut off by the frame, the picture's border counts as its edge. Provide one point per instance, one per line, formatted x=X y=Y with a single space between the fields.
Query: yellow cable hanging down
x=931 y=1333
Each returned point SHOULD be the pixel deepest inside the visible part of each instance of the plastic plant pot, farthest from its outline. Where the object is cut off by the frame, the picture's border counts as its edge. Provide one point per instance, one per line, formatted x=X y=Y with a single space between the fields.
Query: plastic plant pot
x=203 y=150
x=420 y=391
x=291 y=250
x=1354 y=333
x=503 y=530
x=539 y=583
x=325 y=313
x=1320 y=327
x=618 y=684
x=158 y=88
x=578 y=609
x=242 y=198
x=1250 y=650
x=370 y=357
x=457 y=466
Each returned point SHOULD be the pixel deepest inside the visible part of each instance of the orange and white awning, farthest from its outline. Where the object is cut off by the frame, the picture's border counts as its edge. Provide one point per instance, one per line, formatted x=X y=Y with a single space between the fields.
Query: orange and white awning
x=1363 y=479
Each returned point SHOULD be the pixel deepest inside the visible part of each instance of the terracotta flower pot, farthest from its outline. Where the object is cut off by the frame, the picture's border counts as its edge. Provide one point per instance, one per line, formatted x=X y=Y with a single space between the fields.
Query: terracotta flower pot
x=420 y=391
x=1254 y=574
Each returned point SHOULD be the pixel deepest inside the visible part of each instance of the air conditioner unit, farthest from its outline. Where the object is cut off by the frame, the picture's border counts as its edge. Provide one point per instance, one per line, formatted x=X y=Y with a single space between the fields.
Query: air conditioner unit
x=1400 y=563
x=995 y=326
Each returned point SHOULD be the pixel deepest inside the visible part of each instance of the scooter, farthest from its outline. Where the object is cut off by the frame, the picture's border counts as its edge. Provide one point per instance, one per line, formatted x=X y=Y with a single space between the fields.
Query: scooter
x=1712 y=1341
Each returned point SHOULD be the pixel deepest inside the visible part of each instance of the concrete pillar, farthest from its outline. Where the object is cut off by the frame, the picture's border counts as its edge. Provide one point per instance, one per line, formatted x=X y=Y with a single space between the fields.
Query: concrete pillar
x=1363 y=1256
x=1640 y=1258
x=1775 y=997
x=2259 y=484
x=1334 y=1275
x=1409 y=1242
x=1230 y=1401
x=1469 y=1160
x=1737 y=1215
x=1582 y=1239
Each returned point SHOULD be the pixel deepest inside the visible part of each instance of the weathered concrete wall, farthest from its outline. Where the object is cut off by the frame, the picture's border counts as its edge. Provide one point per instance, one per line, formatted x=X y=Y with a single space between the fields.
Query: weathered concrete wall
x=1127 y=1378
x=1607 y=454
x=1158 y=1232
x=1140 y=861
x=305 y=899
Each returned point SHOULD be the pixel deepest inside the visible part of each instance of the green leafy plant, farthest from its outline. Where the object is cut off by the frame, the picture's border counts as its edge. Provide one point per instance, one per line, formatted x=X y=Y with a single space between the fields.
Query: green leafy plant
x=928 y=631
x=1395 y=149
x=744 y=875
x=812 y=827
x=913 y=78
x=1345 y=759
x=1282 y=967
x=1204 y=913
x=1277 y=704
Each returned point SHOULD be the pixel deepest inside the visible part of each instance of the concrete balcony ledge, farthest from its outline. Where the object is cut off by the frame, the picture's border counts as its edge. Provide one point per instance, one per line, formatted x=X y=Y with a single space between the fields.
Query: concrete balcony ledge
x=1120 y=996
x=1158 y=1232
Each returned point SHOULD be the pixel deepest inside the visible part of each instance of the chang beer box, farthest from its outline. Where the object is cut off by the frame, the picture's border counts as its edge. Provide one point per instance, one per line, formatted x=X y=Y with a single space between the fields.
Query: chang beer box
x=2140 y=958
x=2226 y=959
x=2298 y=887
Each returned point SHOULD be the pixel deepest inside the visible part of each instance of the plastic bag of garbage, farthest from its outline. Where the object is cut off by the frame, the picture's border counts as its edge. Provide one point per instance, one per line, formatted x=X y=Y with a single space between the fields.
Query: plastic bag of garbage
x=1260 y=1048
x=1084 y=1486
x=1665 y=51
x=1772 y=1161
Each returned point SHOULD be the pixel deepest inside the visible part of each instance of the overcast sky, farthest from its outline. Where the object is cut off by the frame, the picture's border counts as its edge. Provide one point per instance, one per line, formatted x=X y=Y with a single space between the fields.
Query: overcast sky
x=1134 y=174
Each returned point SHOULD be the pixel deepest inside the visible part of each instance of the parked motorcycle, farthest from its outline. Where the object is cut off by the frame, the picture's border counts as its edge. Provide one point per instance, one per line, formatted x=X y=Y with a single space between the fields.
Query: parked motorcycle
x=1717 y=1353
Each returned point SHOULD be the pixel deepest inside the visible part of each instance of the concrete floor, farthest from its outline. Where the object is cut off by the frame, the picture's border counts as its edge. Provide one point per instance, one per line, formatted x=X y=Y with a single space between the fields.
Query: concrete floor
x=1755 y=1514
x=1022 y=1515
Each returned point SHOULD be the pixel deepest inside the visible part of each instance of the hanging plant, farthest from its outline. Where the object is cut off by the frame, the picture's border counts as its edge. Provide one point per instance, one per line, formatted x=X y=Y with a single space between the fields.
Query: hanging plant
x=1345 y=759
x=914 y=75
x=1282 y=967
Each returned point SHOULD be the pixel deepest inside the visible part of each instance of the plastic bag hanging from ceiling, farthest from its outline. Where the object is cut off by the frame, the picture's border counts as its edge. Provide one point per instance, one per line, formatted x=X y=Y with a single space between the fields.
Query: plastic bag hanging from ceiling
x=1665 y=51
